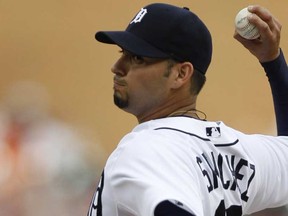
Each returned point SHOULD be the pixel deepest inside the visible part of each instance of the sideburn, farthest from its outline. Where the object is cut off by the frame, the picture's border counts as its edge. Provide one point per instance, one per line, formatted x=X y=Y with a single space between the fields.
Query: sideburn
x=170 y=64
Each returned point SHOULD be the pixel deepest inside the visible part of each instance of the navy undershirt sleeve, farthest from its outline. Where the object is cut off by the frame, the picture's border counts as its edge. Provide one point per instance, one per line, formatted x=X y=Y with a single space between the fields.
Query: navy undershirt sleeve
x=277 y=73
x=167 y=208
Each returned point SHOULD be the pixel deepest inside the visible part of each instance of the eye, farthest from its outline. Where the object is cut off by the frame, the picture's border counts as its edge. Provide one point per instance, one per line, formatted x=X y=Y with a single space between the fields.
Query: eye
x=137 y=59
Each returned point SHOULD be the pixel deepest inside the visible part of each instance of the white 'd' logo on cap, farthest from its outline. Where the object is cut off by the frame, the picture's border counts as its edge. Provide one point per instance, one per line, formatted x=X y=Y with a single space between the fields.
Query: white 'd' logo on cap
x=139 y=16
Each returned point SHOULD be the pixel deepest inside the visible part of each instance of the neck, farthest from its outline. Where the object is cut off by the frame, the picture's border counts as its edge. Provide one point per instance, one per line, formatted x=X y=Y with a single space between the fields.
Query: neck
x=175 y=109
x=188 y=111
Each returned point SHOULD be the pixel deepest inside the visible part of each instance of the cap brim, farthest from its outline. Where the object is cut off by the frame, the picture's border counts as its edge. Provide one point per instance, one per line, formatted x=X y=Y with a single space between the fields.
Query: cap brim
x=131 y=43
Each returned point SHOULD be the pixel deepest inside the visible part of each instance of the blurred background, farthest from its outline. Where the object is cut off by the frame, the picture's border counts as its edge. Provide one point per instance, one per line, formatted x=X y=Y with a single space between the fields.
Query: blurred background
x=58 y=123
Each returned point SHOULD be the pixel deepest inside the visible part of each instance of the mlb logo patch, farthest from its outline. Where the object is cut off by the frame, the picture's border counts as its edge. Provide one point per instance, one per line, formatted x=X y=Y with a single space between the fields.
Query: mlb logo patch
x=213 y=132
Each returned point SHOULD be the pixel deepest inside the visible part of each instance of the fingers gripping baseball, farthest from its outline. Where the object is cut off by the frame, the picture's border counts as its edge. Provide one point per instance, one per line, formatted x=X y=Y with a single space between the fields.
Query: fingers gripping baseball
x=267 y=25
x=266 y=46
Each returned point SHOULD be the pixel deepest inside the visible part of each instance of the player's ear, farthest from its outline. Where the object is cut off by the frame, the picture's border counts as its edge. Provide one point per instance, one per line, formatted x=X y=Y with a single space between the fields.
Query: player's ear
x=183 y=74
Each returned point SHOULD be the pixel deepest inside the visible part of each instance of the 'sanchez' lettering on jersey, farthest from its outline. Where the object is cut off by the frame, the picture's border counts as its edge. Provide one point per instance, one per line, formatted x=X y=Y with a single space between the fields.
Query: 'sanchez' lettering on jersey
x=214 y=169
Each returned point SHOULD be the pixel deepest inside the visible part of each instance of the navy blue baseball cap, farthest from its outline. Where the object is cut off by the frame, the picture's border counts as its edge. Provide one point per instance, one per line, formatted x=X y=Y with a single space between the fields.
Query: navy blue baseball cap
x=165 y=31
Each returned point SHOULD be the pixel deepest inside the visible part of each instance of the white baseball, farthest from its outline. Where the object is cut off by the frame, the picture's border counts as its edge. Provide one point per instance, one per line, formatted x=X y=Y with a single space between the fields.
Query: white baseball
x=244 y=27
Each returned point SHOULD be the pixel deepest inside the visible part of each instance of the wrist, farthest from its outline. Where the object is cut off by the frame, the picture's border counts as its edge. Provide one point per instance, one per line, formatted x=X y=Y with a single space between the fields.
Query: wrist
x=271 y=57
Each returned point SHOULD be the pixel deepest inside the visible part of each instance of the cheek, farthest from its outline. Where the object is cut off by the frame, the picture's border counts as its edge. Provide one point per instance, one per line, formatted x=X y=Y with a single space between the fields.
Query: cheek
x=148 y=88
x=148 y=82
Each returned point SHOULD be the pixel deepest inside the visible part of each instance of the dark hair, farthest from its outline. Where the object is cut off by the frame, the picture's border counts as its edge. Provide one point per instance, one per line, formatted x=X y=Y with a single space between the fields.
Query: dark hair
x=198 y=80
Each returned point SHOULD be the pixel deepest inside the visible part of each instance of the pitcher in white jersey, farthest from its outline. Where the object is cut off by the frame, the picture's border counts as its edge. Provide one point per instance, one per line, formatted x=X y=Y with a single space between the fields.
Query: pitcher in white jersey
x=175 y=163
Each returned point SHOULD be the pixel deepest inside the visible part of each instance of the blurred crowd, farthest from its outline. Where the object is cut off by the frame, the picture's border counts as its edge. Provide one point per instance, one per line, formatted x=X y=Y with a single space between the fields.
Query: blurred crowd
x=45 y=168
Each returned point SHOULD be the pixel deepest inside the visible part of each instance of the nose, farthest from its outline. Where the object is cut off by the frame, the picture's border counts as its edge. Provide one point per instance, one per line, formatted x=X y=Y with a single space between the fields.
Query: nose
x=120 y=67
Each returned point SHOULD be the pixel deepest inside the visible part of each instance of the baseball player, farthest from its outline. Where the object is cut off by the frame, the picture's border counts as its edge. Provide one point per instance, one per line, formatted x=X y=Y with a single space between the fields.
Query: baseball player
x=173 y=162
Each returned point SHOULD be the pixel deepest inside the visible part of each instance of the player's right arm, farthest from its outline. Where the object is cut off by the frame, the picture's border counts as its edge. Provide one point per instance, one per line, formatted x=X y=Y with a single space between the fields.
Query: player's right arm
x=267 y=50
x=277 y=73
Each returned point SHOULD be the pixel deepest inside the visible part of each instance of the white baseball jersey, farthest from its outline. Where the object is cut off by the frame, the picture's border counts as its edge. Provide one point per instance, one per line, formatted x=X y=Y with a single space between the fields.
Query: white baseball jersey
x=204 y=167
